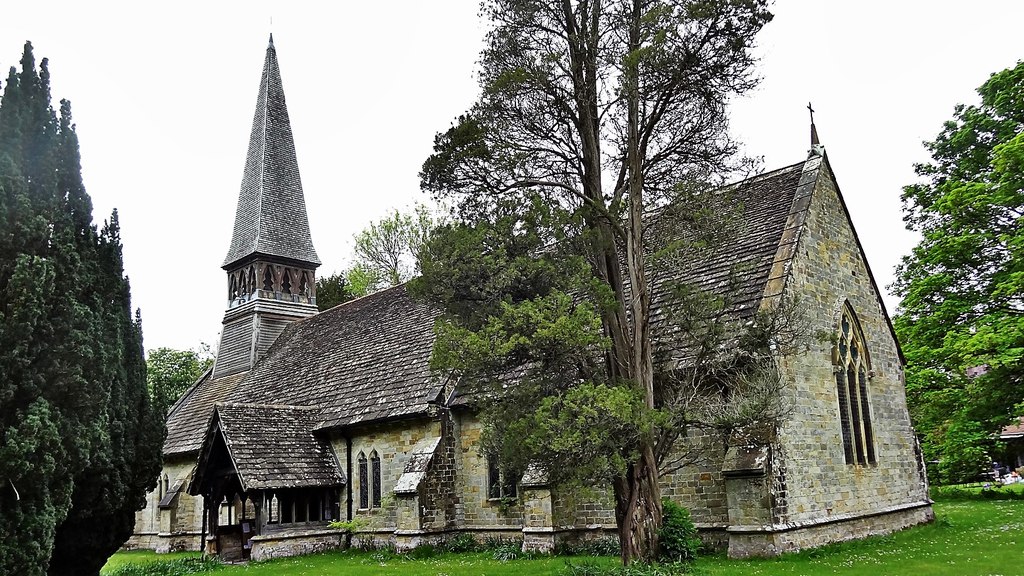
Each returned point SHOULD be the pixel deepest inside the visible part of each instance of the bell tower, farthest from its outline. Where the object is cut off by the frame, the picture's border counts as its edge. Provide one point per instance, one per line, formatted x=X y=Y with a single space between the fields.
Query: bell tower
x=271 y=264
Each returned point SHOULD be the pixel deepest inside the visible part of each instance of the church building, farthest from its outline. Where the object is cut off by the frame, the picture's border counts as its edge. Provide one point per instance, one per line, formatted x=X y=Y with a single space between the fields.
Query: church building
x=307 y=418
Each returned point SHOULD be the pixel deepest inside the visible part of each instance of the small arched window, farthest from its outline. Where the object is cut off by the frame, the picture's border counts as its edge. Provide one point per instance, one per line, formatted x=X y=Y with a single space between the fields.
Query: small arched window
x=251 y=282
x=364 y=483
x=851 y=364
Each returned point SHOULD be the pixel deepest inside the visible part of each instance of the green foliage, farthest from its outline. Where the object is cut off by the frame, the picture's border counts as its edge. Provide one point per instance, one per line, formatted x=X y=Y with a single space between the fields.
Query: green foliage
x=177 y=567
x=965 y=452
x=461 y=543
x=591 y=114
x=170 y=373
x=333 y=290
x=349 y=526
x=79 y=437
x=385 y=251
x=678 y=536
x=988 y=491
x=961 y=287
x=970 y=537
x=508 y=551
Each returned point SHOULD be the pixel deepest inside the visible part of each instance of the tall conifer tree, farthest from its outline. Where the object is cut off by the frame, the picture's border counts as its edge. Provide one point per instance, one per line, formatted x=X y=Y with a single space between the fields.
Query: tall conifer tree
x=78 y=445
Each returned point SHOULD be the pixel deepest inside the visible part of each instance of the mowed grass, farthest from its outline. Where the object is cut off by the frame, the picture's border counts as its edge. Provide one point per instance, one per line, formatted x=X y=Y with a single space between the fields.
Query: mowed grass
x=969 y=538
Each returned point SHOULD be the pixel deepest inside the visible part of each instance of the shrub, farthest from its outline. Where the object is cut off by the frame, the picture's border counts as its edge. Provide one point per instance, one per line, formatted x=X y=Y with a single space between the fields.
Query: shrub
x=508 y=551
x=461 y=542
x=678 y=536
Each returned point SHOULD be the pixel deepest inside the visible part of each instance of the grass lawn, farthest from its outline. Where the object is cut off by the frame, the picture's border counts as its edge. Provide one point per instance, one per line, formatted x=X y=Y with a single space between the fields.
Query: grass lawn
x=140 y=557
x=969 y=537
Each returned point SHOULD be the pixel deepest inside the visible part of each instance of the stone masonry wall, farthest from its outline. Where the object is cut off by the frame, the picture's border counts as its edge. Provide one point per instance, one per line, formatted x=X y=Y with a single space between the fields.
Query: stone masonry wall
x=439 y=496
x=812 y=482
x=475 y=511
x=394 y=444
x=174 y=529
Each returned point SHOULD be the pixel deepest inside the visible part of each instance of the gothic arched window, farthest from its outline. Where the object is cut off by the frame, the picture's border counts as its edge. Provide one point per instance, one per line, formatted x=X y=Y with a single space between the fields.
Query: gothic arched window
x=851 y=365
x=364 y=483
x=375 y=471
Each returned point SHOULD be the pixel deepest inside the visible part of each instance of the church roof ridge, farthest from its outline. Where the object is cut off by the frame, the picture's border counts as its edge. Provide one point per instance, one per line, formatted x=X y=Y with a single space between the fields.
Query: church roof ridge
x=271 y=218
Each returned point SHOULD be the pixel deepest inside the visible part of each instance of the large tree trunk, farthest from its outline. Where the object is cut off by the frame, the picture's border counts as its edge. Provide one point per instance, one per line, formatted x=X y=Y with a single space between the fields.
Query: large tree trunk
x=639 y=506
x=638 y=509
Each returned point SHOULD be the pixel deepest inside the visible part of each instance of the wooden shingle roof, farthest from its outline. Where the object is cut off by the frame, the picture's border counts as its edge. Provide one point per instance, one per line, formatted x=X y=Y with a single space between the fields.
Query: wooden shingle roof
x=271 y=217
x=739 y=270
x=189 y=416
x=368 y=360
x=272 y=446
x=362 y=361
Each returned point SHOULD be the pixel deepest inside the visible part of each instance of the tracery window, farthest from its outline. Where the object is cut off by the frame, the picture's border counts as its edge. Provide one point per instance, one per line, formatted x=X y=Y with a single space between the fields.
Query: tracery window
x=851 y=365
x=364 y=483
x=375 y=471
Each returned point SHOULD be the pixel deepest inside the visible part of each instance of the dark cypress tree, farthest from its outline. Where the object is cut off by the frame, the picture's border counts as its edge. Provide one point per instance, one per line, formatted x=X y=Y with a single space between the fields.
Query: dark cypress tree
x=125 y=458
x=78 y=443
x=38 y=451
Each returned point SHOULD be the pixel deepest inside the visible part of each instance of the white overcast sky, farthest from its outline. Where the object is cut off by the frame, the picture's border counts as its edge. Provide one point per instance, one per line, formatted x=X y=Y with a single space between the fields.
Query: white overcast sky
x=163 y=96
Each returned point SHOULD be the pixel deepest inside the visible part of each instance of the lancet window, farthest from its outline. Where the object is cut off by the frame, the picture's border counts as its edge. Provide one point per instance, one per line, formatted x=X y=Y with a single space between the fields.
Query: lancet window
x=364 y=483
x=852 y=367
x=375 y=475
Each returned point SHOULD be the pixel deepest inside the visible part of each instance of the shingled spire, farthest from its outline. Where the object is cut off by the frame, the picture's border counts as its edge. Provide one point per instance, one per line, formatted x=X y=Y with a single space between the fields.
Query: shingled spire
x=271 y=216
x=271 y=263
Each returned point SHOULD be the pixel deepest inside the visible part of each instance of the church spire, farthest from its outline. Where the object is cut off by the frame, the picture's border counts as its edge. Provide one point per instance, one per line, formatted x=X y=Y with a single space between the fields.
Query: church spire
x=271 y=264
x=271 y=216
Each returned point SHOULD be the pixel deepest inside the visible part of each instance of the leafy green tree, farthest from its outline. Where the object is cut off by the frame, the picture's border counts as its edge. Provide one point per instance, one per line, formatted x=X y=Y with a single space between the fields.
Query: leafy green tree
x=384 y=256
x=592 y=114
x=170 y=373
x=961 y=288
x=79 y=443
x=385 y=251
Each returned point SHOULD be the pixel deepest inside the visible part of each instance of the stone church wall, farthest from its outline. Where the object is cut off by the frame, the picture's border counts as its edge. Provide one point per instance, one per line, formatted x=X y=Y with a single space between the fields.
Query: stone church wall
x=172 y=529
x=812 y=483
x=475 y=510
x=394 y=444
